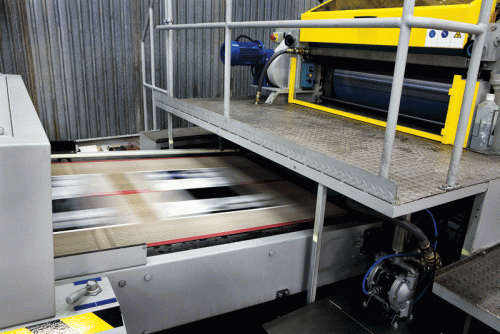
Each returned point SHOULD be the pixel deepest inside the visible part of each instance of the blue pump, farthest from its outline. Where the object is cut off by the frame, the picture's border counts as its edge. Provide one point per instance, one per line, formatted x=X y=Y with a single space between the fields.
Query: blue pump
x=252 y=54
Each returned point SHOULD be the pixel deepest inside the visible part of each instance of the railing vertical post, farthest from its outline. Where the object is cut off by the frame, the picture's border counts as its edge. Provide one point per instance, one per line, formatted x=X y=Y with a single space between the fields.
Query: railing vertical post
x=470 y=86
x=397 y=88
x=153 y=73
x=144 y=89
x=170 y=67
x=227 y=59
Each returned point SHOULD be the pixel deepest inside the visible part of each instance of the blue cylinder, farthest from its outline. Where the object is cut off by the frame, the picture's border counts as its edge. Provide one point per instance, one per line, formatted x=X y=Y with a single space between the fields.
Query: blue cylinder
x=420 y=99
x=247 y=53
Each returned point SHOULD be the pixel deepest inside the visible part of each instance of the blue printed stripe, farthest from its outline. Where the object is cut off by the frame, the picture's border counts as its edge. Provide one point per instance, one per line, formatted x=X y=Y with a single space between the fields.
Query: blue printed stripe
x=86 y=280
x=84 y=306
x=106 y=301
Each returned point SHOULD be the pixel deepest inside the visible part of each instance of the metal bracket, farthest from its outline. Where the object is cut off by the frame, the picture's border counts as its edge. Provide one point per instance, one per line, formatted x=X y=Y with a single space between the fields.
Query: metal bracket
x=447 y=187
x=272 y=97
x=282 y=294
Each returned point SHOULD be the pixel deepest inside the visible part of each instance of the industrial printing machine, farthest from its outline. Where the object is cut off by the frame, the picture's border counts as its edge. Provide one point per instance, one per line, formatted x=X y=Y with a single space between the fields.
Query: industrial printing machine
x=167 y=241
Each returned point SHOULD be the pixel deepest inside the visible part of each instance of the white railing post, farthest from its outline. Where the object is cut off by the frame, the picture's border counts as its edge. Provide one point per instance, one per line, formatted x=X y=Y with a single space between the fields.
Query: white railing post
x=397 y=88
x=227 y=59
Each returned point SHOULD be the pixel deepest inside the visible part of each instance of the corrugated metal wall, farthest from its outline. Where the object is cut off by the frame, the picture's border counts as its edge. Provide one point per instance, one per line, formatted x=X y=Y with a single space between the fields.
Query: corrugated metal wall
x=15 y=45
x=81 y=59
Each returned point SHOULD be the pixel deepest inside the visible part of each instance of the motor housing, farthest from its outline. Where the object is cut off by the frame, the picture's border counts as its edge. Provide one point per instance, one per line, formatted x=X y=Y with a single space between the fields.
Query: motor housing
x=252 y=54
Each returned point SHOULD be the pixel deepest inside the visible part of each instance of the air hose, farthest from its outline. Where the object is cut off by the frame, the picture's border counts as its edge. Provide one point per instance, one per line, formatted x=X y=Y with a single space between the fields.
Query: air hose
x=299 y=51
x=431 y=258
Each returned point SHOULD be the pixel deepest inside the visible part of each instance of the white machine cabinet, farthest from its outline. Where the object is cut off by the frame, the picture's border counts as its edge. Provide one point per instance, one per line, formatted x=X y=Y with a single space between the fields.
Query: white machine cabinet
x=26 y=245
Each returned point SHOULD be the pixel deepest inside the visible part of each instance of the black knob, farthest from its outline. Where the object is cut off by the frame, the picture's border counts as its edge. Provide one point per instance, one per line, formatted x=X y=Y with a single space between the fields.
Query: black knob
x=289 y=40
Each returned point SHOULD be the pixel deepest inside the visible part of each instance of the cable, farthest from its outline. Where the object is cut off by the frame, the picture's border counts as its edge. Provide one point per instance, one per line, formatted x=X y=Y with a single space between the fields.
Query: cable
x=263 y=74
x=377 y=262
x=426 y=287
x=435 y=228
x=244 y=36
x=297 y=51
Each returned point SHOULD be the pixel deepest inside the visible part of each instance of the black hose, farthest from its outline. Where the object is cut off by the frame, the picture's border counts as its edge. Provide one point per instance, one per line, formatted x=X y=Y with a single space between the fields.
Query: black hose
x=424 y=244
x=244 y=36
x=263 y=74
x=410 y=227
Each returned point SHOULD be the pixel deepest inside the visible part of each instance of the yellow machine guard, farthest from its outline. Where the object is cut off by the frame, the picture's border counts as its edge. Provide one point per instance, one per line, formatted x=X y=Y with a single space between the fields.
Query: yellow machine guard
x=467 y=13
x=447 y=135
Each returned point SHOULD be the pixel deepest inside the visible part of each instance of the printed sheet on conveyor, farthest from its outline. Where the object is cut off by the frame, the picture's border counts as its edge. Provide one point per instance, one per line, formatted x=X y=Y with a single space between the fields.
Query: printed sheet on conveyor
x=108 y=204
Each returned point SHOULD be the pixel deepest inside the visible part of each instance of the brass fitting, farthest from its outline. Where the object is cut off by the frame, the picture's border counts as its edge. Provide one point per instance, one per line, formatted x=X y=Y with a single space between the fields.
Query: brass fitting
x=298 y=51
x=257 y=98
x=432 y=259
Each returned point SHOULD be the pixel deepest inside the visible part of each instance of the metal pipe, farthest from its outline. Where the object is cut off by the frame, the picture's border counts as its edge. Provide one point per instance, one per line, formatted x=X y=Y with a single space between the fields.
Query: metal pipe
x=170 y=50
x=319 y=219
x=153 y=72
x=144 y=92
x=431 y=23
x=158 y=89
x=209 y=25
x=470 y=86
x=227 y=59
x=146 y=25
x=170 y=68
x=400 y=237
x=397 y=88
x=386 y=22
x=145 y=30
x=170 y=126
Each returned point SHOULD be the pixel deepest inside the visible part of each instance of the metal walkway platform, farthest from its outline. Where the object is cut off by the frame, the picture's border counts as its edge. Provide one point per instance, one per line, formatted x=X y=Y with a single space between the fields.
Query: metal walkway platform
x=473 y=285
x=342 y=154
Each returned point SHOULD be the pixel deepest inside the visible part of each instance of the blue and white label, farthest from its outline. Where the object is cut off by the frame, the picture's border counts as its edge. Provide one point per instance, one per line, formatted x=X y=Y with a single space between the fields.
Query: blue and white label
x=444 y=39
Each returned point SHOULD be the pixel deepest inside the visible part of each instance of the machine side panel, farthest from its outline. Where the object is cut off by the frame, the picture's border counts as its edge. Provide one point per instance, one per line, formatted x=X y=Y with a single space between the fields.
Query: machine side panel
x=26 y=246
x=484 y=229
x=179 y=288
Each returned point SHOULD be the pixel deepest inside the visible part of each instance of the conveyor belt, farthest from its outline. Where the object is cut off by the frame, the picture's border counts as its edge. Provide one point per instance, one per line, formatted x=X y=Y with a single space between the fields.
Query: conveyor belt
x=108 y=204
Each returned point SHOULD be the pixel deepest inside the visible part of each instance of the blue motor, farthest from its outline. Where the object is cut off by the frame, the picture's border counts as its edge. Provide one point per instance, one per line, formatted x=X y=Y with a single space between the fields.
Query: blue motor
x=252 y=54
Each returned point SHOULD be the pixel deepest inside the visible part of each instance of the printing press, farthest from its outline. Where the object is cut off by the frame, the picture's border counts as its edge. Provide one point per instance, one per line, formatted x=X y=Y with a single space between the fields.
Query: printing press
x=170 y=239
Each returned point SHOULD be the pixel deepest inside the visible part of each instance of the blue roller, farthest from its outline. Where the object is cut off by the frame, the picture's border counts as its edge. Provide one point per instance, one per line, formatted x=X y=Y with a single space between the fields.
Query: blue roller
x=248 y=54
x=420 y=99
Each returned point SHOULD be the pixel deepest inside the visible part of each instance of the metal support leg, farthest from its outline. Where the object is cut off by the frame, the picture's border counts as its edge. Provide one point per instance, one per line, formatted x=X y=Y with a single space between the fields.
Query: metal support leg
x=153 y=74
x=397 y=88
x=227 y=59
x=319 y=219
x=470 y=86
x=144 y=92
x=170 y=132
x=467 y=324
x=170 y=68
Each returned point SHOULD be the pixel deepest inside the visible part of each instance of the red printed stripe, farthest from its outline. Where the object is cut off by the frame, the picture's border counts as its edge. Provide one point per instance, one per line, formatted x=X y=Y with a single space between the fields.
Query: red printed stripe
x=124 y=192
x=221 y=234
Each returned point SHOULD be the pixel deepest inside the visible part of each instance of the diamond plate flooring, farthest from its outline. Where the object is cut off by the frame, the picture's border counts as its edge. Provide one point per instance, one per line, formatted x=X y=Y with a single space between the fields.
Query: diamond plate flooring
x=419 y=166
x=473 y=284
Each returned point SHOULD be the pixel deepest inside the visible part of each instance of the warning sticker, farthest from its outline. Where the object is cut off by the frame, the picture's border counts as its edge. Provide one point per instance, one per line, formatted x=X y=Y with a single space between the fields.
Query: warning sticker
x=444 y=39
